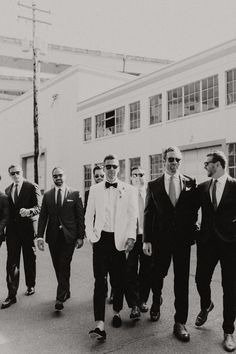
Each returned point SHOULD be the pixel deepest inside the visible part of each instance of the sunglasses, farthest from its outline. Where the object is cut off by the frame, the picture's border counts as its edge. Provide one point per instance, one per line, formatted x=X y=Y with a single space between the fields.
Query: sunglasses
x=14 y=173
x=97 y=176
x=108 y=167
x=206 y=163
x=138 y=174
x=172 y=159
x=59 y=175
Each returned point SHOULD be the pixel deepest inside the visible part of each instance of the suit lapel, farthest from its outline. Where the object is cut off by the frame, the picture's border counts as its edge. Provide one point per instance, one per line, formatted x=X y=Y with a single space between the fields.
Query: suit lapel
x=67 y=191
x=225 y=192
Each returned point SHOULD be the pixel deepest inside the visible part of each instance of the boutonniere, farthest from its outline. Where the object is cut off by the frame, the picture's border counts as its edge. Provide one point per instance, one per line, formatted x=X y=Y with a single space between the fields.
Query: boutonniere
x=121 y=192
x=189 y=184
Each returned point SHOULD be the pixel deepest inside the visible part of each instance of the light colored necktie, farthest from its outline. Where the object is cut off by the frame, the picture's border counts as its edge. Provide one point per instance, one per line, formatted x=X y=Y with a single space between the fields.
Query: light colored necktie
x=214 y=200
x=172 y=191
x=16 y=194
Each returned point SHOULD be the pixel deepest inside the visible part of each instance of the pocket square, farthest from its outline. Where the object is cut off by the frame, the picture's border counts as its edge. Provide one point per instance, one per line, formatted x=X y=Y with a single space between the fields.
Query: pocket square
x=69 y=200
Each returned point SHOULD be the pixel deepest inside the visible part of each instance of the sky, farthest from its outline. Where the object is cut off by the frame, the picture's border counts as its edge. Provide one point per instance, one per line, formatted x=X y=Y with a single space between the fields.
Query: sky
x=163 y=29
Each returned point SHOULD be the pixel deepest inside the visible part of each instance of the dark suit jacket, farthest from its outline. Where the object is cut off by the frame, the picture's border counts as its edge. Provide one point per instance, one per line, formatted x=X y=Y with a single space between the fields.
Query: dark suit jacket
x=70 y=216
x=222 y=221
x=29 y=198
x=86 y=195
x=4 y=214
x=163 y=221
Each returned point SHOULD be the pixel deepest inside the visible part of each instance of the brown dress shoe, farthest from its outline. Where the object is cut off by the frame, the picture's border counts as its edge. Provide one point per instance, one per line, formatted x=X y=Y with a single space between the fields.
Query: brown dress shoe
x=228 y=343
x=181 y=332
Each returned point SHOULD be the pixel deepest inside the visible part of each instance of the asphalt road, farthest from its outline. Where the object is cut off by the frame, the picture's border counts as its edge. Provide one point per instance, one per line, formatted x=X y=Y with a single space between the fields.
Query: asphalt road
x=32 y=326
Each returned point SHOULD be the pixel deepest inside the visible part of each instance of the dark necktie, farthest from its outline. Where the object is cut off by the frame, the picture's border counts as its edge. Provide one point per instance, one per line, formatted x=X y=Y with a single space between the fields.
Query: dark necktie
x=59 y=198
x=16 y=194
x=108 y=185
x=172 y=191
x=214 y=200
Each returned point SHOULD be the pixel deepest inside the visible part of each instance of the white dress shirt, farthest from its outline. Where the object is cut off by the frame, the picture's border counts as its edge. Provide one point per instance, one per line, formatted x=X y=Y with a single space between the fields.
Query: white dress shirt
x=220 y=185
x=111 y=195
x=177 y=183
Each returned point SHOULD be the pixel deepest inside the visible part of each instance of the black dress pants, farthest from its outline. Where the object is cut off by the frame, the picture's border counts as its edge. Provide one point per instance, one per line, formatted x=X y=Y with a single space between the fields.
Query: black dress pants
x=162 y=255
x=138 y=275
x=106 y=257
x=208 y=255
x=61 y=254
x=15 y=243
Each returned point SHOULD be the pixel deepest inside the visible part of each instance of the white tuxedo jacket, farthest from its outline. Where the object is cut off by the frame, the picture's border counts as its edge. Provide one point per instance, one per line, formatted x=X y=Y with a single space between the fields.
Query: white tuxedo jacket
x=125 y=218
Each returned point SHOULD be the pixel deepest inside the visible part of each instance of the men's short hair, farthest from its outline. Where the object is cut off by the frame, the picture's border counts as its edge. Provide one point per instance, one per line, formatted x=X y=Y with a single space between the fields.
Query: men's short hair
x=57 y=167
x=171 y=149
x=110 y=157
x=218 y=156
x=96 y=168
x=136 y=168
x=14 y=166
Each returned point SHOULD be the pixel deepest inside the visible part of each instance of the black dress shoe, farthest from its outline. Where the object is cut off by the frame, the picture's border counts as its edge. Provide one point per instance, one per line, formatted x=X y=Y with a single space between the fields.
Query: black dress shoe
x=98 y=334
x=228 y=343
x=203 y=314
x=30 y=291
x=59 y=305
x=135 y=313
x=8 y=302
x=181 y=332
x=143 y=307
x=155 y=313
x=116 y=321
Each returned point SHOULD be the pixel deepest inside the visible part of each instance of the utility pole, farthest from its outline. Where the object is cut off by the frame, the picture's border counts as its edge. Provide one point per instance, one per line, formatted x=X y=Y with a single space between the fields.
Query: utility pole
x=36 y=80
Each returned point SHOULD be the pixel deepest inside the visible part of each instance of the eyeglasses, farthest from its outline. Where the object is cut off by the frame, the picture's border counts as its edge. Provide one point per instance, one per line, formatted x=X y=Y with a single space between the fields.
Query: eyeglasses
x=172 y=159
x=206 y=163
x=108 y=167
x=14 y=173
x=59 y=175
x=137 y=174
x=97 y=176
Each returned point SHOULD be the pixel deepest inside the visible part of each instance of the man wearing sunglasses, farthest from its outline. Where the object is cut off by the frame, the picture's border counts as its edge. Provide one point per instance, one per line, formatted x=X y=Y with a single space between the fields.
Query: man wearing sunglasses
x=217 y=242
x=62 y=216
x=98 y=176
x=169 y=227
x=138 y=264
x=113 y=204
x=24 y=200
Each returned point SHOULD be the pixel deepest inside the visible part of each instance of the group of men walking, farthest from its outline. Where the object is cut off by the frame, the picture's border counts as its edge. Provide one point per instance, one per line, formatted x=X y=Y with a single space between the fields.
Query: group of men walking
x=128 y=224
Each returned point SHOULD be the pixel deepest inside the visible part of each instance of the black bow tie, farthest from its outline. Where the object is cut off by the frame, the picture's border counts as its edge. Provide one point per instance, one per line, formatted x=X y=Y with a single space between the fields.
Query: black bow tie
x=108 y=185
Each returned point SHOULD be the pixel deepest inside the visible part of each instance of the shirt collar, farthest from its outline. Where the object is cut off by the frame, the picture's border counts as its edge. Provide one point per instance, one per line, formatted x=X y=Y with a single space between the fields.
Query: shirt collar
x=175 y=176
x=19 y=185
x=63 y=188
x=222 y=179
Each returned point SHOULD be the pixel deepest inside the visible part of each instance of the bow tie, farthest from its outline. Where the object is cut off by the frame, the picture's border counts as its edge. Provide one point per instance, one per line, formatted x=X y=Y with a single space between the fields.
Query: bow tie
x=108 y=185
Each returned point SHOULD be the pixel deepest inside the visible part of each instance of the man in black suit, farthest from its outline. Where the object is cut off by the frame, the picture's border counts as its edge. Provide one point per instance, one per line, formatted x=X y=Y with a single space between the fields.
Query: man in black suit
x=169 y=224
x=24 y=200
x=4 y=215
x=217 y=242
x=62 y=216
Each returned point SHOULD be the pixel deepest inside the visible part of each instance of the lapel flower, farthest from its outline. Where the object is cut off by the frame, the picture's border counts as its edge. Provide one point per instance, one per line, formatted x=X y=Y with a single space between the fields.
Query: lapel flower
x=121 y=192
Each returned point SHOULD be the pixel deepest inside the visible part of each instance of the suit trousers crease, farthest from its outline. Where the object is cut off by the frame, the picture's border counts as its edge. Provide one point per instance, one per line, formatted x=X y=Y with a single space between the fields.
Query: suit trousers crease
x=138 y=275
x=61 y=254
x=180 y=255
x=15 y=243
x=208 y=255
x=107 y=258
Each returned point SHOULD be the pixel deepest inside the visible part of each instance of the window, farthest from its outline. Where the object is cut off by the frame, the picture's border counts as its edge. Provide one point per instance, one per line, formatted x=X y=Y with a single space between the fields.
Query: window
x=110 y=123
x=192 y=98
x=87 y=177
x=135 y=161
x=87 y=129
x=231 y=86
x=210 y=93
x=122 y=170
x=175 y=103
x=232 y=159
x=155 y=109
x=155 y=166
x=134 y=109
x=28 y=170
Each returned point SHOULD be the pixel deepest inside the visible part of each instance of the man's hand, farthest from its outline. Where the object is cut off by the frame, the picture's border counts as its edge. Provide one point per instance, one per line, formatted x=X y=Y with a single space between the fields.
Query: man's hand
x=147 y=248
x=79 y=243
x=129 y=244
x=40 y=244
x=24 y=213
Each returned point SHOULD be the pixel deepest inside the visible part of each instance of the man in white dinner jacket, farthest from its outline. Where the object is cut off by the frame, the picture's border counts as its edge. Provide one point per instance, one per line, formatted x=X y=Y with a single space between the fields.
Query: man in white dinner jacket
x=112 y=234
